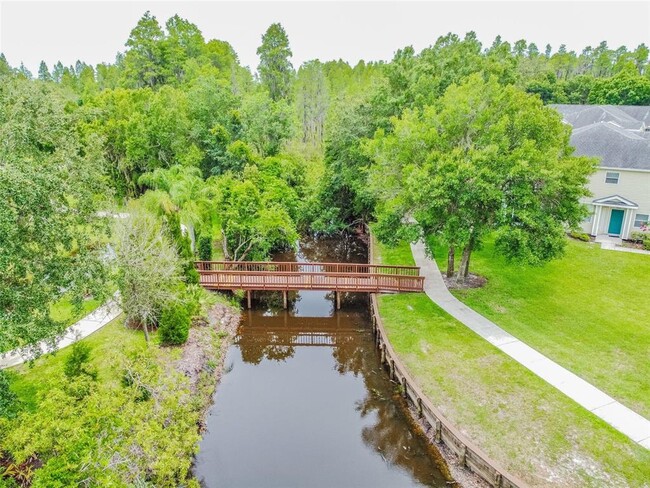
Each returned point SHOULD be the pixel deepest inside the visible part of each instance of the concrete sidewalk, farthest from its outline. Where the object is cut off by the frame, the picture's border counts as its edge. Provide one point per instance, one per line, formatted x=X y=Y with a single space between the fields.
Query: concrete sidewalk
x=95 y=320
x=616 y=244
x=599 y=403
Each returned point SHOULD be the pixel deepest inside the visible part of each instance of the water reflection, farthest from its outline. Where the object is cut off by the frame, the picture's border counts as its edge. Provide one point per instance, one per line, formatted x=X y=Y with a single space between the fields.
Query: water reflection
x=305 y=402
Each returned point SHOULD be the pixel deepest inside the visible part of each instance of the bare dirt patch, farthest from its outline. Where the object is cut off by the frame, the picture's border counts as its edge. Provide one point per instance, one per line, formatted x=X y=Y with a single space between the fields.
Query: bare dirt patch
x=633 y=245
x=472 y=281
x=207 y=343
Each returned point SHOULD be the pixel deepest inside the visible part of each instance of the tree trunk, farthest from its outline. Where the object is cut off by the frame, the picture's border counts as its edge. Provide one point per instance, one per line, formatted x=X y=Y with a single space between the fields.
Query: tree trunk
x=463 y=270
x=469 y=256
x=224 y=246
x=450 y=261
x=146 y=331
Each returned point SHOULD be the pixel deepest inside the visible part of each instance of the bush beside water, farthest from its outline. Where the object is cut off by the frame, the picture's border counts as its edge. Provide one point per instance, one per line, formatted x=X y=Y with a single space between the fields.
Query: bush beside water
x=174 y=325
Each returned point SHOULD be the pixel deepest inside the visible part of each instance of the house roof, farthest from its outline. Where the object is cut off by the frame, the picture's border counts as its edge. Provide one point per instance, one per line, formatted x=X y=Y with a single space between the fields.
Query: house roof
x=615 y=200
x=626 y=116
x=617 y=135
x=615 y=146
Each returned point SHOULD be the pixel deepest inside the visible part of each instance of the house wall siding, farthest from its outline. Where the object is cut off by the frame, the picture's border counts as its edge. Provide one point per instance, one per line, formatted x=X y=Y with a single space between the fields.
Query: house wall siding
x=632 y=185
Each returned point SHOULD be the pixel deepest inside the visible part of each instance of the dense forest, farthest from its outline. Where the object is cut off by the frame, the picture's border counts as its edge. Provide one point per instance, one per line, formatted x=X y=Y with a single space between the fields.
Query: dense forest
x=209 y=160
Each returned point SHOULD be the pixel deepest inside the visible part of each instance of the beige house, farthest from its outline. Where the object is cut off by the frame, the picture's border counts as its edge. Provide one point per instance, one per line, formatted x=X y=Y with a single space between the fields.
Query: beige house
x=620 y=137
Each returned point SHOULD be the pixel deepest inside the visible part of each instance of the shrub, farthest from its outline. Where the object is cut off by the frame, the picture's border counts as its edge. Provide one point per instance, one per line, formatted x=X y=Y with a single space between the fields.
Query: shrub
x=581 y=236
x=174 y=325
x=130 y=380
x=641 y=238
x=79 y=387
x=191 y=297
x=205 y=248
x=76 y=364
x=8 y=398
x=638 y=236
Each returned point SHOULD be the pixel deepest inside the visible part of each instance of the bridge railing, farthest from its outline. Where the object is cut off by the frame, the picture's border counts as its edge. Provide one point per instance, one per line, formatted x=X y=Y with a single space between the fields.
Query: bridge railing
x=302 y=268
x=280 y=280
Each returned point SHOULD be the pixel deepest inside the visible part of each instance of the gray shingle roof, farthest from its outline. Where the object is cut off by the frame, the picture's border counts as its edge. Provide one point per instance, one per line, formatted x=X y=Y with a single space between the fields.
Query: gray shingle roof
x=614 y=134
x=583 y=115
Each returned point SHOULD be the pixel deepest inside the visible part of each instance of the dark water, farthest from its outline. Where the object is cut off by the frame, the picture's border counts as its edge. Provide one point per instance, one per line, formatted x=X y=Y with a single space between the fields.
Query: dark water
x=304 y=401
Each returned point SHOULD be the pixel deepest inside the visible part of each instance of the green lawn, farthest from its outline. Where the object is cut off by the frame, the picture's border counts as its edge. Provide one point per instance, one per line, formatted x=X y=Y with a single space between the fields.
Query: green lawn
x=528 y=426
x=588 y=311
x=64 y=311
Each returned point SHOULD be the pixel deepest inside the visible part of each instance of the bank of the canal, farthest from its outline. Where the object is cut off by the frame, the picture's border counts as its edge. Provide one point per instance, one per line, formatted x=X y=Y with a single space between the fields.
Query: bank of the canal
x=304 y=400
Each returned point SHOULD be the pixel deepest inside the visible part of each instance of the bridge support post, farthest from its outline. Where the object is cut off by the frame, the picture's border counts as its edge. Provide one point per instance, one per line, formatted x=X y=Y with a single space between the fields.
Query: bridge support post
x=248 y=298
x=285 y=299
x=337 y=297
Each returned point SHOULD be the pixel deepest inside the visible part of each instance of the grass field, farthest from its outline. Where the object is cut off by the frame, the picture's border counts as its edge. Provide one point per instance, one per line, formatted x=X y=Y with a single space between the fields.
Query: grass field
x=528 y=426
x=588 y=311
x=64 y=311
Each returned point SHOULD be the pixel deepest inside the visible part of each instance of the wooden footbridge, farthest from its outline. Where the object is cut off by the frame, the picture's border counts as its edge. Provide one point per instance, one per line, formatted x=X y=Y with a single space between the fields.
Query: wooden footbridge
x=284 y=276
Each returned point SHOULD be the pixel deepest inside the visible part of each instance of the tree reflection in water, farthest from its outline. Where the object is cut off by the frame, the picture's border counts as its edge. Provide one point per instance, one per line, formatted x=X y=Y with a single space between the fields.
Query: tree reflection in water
x=274 y=335
x=307 y=402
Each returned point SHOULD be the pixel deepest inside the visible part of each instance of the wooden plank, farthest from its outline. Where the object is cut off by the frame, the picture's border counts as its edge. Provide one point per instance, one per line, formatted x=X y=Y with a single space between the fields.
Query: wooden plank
x=283 y=276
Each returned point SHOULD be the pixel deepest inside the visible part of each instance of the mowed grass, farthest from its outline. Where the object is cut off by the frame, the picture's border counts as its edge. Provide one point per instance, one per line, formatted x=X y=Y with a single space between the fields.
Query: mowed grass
x=64 y=311
x=589 y=311
x=529 y=427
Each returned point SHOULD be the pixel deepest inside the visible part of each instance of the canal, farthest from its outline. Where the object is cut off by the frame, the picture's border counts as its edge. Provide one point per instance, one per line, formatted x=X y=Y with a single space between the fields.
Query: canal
x=304 y=402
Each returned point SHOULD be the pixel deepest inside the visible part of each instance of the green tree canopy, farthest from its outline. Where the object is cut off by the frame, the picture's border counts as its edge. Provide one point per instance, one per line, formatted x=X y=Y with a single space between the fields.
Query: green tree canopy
x=145 y=57
x=254 y=219
x=626 y=88
x=275 y=69
x=485 y=158
x=50 y=184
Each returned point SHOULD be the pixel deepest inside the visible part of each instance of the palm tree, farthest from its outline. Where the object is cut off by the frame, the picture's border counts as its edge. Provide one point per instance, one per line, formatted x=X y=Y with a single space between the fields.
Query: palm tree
x=188 y=192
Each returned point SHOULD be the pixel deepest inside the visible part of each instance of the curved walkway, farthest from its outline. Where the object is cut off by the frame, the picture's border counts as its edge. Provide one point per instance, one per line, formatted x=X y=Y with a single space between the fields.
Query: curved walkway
x=596 y=401
x=95 y=320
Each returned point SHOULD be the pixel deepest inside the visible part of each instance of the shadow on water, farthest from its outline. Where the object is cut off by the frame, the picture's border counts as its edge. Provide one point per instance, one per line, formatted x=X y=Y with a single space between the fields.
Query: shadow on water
x=305 y=402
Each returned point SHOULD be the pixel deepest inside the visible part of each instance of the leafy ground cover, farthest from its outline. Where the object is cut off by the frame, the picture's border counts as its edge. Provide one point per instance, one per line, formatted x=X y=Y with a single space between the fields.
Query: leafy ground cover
x=129 y=417
x=528 y=426
x=588 y=311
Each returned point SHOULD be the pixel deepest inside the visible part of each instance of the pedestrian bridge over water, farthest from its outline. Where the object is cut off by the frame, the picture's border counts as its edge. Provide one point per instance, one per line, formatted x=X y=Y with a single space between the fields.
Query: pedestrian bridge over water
x=281 y=276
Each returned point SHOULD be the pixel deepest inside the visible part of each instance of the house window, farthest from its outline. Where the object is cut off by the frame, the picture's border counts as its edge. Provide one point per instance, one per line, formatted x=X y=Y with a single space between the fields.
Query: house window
x=640 y=219
x=611 y=177
x=590 y=209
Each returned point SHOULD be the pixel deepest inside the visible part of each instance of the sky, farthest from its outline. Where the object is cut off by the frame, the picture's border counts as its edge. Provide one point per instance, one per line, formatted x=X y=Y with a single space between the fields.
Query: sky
x=94 y=31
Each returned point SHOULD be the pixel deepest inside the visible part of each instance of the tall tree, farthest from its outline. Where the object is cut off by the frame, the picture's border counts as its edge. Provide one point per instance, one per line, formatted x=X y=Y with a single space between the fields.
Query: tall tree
x=5 y=69
x=57 y=72
x=344 y=198
x=266 y=123
x=275 y=68
x=640 y=57
x=24 y=72
x=50 y=186
x=184 y=41
x=145 y=57
x=312 y=101
x=43 y=72
x=486 y=158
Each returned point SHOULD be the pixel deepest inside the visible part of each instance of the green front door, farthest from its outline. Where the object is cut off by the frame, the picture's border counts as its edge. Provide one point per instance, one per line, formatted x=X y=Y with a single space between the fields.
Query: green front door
x=616 y=222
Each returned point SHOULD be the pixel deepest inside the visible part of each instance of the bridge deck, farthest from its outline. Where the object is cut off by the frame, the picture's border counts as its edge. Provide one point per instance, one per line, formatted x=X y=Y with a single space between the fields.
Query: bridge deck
x=227 y=275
